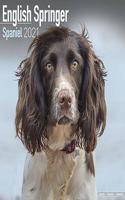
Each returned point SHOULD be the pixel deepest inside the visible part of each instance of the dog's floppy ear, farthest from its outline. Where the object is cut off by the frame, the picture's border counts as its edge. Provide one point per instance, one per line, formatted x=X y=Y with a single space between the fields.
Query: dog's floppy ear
x=31 y=108
x=92 y=105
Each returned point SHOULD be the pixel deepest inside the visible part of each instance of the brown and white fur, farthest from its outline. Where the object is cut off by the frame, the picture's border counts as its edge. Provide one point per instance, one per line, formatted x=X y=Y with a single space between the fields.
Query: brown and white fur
x=60 y=112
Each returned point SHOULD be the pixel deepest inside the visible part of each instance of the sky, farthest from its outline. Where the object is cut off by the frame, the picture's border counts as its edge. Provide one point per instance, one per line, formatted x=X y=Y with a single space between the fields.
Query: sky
x=105 y=22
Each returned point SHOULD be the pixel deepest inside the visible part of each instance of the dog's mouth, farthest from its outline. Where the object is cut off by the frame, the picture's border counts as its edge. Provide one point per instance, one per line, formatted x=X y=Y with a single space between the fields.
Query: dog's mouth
x=64 y=120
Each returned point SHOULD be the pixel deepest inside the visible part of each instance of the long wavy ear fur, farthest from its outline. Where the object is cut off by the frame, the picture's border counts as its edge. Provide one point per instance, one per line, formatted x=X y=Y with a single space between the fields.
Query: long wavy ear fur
x=92 y=105
x=31 y=108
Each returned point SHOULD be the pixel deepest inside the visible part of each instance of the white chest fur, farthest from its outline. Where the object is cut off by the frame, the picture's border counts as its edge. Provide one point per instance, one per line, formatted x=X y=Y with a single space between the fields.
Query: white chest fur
x=55 y=175
x=58 y=178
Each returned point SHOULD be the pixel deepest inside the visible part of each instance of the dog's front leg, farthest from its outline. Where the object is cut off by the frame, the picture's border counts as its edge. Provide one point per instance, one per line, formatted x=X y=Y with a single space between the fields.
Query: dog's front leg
x=82 y=184
x=34 y=170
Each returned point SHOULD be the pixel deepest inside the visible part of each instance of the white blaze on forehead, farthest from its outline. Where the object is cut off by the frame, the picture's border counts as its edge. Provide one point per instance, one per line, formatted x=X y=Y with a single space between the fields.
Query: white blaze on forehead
x=63 y=83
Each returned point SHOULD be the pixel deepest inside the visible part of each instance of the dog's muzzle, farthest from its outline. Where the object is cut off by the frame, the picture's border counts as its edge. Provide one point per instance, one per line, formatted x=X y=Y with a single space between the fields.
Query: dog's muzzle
x=64 y=108
x=64 y=99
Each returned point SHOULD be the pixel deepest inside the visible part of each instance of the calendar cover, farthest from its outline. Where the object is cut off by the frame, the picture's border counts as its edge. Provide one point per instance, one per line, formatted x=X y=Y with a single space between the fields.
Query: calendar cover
x=59 y=27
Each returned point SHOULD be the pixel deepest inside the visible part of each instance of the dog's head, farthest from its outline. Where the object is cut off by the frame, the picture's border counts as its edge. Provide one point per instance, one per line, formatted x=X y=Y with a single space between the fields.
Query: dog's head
x=61 y=82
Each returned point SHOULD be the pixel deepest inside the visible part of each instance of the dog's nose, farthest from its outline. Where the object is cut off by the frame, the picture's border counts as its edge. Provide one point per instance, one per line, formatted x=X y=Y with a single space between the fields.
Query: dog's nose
x=64 y=99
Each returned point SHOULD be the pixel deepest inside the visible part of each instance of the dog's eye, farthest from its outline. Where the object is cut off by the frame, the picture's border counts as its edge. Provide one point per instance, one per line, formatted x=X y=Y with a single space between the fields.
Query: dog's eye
x=74 y=65
x=49 y=67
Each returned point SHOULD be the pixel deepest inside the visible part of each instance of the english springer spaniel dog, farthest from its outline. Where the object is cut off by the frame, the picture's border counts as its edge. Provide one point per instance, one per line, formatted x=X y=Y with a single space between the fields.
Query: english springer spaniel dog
x=60 y=112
